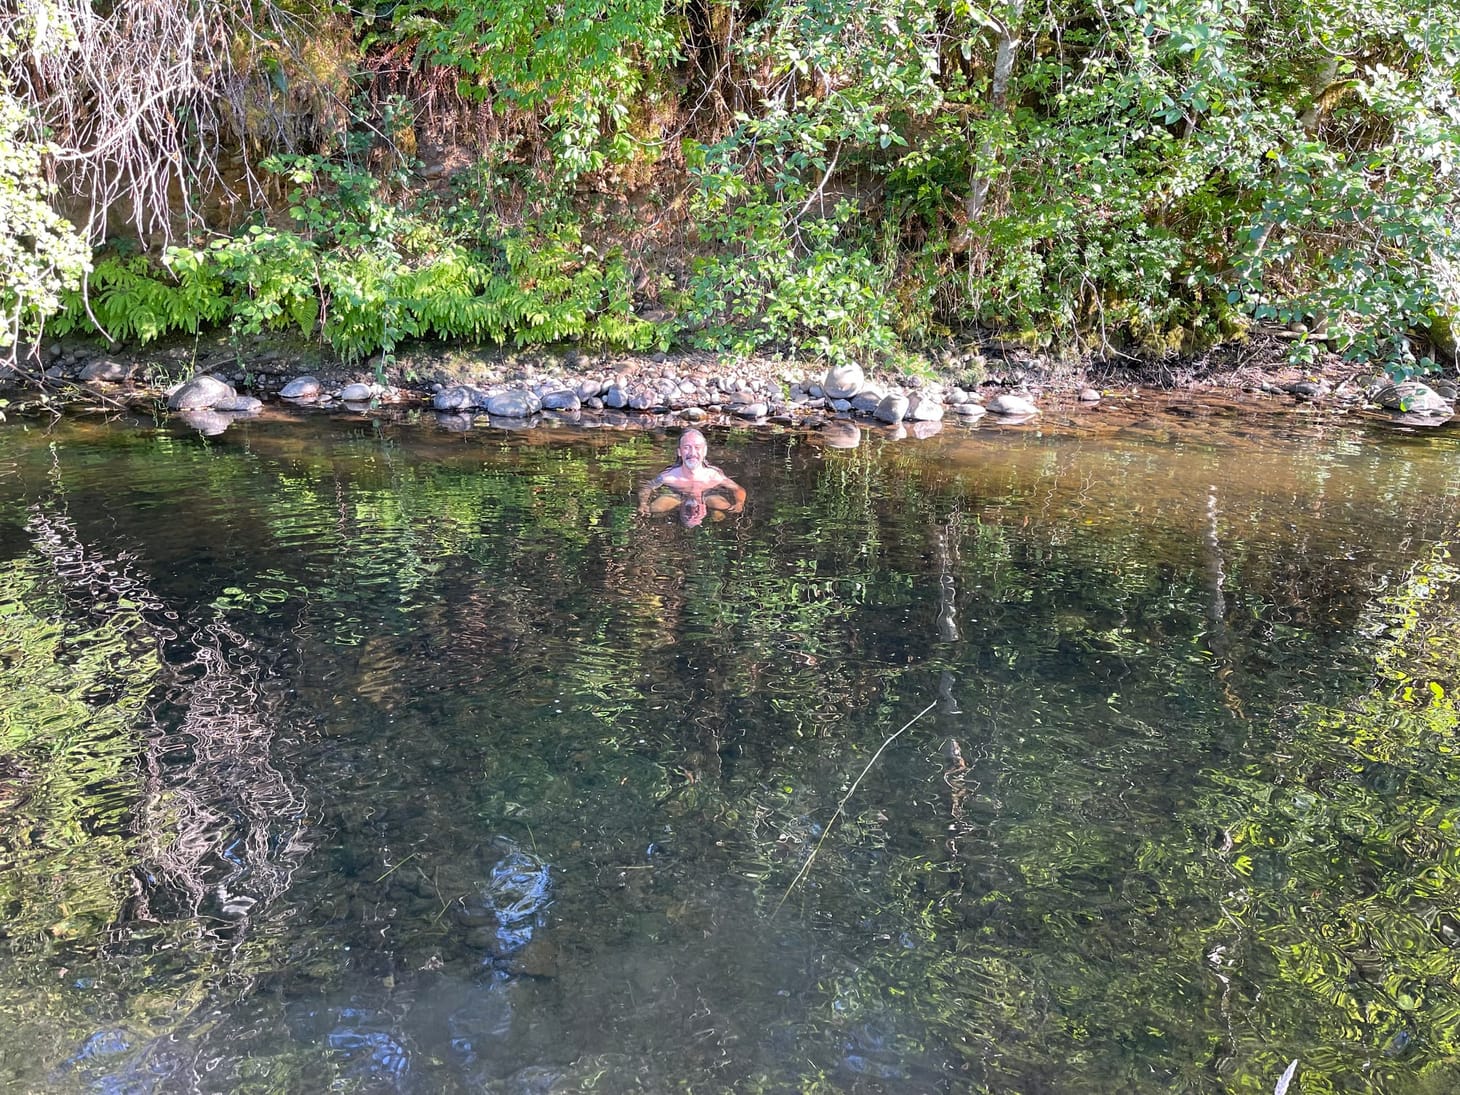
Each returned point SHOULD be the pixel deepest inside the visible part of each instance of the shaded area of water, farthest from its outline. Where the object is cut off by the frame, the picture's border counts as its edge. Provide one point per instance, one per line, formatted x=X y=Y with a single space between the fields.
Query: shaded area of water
x=397 y=760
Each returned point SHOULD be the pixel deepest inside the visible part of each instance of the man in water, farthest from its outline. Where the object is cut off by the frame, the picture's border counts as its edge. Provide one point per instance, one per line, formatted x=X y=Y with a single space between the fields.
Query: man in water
x=696 y=485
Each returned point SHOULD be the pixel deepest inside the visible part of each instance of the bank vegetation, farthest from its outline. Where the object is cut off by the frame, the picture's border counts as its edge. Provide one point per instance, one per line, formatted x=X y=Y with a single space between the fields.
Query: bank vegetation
x=815 y=178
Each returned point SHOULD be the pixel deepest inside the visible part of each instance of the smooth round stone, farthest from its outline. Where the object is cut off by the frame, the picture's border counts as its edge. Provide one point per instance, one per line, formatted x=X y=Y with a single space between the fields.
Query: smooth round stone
x=695 y=414
x=561 y=400
x=841 y=406
x=1012 y=405
x=239 y=404
x=456 y=398
x=970 y=412
x=842 y=435
x=816 y=391
x=1089 y=395
x=1445 y=389
x=925 y=408
x=867 y=400
x=892 y=409
x=755 y=409
x=589 y=389
x=199 y=393
x=844 y=381
x=514 y=403
x=302 y=387
x=356 y=393
x=957 y=397
x=593 y=403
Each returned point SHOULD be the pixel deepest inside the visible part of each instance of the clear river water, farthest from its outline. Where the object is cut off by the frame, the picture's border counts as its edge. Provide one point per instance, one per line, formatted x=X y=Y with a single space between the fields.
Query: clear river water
x=1113 y=752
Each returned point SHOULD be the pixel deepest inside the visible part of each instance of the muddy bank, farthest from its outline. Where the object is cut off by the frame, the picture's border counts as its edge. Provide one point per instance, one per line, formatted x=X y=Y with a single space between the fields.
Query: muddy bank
x=210 y=382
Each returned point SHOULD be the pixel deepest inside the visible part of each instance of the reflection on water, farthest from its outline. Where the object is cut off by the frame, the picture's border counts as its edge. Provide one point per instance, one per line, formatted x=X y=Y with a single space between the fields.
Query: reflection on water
x=392 y=758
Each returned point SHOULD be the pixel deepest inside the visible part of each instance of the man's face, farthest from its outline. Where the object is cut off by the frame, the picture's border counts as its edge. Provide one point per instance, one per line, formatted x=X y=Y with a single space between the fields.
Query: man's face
x=692 y=452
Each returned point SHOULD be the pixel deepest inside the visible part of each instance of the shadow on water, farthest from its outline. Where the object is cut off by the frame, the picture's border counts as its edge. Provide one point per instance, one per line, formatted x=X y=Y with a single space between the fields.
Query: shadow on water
x=391 y=758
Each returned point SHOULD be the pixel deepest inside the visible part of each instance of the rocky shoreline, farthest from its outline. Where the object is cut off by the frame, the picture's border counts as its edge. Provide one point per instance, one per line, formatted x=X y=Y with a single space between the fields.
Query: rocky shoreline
x=211 y=386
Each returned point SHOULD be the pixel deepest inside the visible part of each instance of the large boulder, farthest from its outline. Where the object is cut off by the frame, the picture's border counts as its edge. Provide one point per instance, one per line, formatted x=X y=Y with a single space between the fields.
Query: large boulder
x=459 y=397
x=892 y=409
x=515 y=403
x=843 y=381
x=561 y=399
x=239 y=404
x=356 y=393
x=925 y=408
x=200 y=393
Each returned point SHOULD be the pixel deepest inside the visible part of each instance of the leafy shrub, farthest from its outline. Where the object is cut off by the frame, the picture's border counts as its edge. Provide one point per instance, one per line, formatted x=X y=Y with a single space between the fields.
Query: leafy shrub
x=366 y=275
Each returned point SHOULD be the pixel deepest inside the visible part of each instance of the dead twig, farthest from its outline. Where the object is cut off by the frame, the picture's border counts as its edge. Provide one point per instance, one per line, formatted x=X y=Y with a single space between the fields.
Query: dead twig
x=806 y=867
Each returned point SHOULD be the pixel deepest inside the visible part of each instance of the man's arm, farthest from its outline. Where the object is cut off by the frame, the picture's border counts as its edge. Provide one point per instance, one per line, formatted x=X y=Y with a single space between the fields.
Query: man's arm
x=647 y=489
x=736 y=491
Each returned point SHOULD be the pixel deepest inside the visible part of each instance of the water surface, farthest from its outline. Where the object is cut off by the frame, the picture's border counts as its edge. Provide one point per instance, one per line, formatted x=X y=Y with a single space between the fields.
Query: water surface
x=377 y=757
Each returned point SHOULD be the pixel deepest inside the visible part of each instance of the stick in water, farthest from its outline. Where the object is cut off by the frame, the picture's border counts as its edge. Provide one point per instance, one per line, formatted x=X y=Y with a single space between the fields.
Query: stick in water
x=838 y=813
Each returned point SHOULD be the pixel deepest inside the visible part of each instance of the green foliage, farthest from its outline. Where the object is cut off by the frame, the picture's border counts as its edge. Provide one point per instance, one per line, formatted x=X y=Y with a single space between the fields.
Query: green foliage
x=577 y=67
x=41 y=253
x=366 y=275
x=1151 y=171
